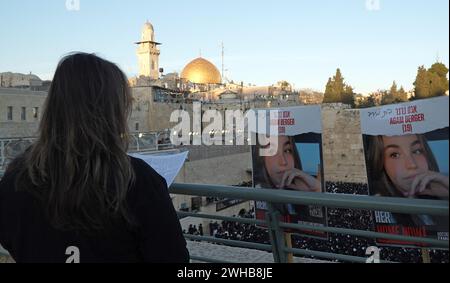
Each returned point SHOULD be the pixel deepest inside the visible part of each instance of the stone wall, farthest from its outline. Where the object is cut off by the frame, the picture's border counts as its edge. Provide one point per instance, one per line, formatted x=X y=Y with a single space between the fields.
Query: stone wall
x=343 y=151
x=9 y=79
x=231 y=169
x=342 y=141
x=17 y=99
x=152 y=115
x=222 y=170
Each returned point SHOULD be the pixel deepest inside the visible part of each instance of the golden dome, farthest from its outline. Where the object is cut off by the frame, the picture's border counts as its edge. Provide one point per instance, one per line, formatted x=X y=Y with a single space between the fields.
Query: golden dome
x=201 y=71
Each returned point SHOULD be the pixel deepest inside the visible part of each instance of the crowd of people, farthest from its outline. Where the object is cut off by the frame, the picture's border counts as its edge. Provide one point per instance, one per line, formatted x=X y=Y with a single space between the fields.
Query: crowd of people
x=360 y=220
x=240 y=231
x=193 y=230
x=334 y=243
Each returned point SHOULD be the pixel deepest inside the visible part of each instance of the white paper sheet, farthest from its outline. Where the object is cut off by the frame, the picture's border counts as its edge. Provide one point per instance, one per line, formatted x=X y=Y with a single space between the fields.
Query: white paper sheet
x=167 y=164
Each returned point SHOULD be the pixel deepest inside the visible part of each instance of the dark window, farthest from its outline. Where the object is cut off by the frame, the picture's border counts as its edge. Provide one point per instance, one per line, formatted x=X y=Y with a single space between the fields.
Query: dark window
x=23 y=114
x=10 y=113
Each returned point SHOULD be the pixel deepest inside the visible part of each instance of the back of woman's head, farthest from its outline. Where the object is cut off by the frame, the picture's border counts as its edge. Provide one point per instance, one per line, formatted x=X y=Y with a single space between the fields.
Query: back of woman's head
x=89 y=100
x=78 y=166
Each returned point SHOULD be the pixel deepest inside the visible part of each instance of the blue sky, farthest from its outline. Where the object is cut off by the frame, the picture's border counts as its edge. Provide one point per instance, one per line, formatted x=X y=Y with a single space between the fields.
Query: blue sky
x=300 y=41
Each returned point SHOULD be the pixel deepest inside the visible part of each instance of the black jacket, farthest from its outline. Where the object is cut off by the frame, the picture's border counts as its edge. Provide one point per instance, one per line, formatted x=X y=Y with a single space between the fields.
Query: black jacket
x=29 y=237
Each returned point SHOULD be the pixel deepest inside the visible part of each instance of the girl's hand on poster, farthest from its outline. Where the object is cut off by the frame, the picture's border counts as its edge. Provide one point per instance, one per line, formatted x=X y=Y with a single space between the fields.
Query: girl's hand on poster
x=429 y=184
x=300 y=181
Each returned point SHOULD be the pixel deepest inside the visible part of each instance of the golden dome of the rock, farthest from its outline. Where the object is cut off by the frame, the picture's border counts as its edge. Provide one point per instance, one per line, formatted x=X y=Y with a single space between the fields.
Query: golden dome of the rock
x=201 y=71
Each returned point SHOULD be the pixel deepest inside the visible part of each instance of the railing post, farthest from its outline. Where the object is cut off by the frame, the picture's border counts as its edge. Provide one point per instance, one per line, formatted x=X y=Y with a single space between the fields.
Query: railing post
x=276 y=235
x=156 y=141
x=2 y=153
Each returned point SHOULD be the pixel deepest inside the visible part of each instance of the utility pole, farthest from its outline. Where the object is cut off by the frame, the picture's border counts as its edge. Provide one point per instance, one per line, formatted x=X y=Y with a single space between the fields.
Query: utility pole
x=223 y=55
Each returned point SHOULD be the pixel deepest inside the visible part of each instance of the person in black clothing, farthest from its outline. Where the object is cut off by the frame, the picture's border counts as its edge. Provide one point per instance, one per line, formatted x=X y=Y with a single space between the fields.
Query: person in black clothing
x=75 y=195
x=200 y=229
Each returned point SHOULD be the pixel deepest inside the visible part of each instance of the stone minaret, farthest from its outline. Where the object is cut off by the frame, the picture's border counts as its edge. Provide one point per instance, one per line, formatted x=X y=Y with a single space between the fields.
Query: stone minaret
x=148 y=53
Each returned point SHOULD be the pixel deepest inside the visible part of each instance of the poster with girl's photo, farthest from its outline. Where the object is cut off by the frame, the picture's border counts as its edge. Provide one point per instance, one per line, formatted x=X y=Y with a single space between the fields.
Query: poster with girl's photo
x=289 y=157
x=406 y=150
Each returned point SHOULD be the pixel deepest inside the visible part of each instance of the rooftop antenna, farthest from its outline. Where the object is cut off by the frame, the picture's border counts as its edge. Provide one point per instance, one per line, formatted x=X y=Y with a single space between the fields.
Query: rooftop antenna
x=223 y=55
x=438 y=59
x=200 y=52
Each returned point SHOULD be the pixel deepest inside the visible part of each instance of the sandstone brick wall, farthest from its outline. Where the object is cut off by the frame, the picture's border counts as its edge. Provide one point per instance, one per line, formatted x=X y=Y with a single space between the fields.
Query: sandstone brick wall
x=222 y=170
x=18 y=99
x=342 y=141
x=343 y=151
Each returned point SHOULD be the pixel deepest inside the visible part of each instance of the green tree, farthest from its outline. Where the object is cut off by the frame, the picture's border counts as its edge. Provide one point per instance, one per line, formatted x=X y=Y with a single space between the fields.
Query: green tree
x=432 y=82
x=337 y=91
x=438 y=79
x=387 y=98
x=371 y=101
x=394 y=90
x=402 y=96
x=440 y=69
x=422 y=84
x=367 y=102
x=394 y=95
x=339 y=84
x=330 y=95
x=348 y=96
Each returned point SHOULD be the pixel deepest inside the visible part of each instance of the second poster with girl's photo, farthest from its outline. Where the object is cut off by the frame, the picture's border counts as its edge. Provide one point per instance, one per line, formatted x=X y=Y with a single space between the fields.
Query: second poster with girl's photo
x=407 y=157
x=294 y=164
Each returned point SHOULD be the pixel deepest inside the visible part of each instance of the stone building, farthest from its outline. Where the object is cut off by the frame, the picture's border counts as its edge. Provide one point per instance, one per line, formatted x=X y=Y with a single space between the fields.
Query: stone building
x=148 y=53
x=20 y=112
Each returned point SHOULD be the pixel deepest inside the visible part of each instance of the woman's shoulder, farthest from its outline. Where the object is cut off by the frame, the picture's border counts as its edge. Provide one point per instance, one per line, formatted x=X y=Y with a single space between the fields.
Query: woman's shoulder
x=149 y=188
x=142 y=168
x=145 y=175
x=10 y=196
x=7 y=181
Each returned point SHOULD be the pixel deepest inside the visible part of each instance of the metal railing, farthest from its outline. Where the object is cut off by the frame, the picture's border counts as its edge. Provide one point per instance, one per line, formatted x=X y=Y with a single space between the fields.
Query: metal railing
x=279 y=247
x=20 y=142
x=139 y=142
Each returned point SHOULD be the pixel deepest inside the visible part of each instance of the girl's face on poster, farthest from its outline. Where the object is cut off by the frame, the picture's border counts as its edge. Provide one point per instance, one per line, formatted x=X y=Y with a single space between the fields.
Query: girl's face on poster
x=282 y=161
x=404 y=158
